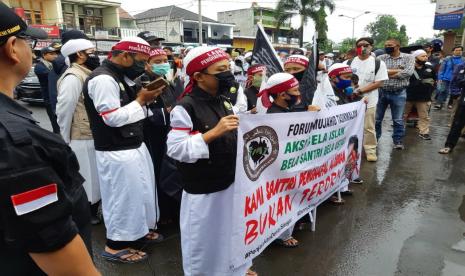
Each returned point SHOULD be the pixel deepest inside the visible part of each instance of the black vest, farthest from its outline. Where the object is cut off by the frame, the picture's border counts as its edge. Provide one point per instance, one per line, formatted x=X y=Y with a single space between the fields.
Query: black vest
x=216 y=173
x=108 y=138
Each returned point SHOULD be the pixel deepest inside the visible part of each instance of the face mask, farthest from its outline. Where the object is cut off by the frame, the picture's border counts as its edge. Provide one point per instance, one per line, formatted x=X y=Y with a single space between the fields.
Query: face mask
x=389 y=50
x=419 y=62
x=161 y=69
x=363 y=51
x=293 y=100
x=226 y=80
x=257 y=81
x=92 y=62
x=343 y=84
x=134 y=71
x=299 y=76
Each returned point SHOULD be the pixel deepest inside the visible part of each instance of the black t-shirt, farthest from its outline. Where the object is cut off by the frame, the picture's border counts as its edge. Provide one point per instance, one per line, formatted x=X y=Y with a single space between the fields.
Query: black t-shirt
x=421 y=84
x=40 y=185
x=274 y=108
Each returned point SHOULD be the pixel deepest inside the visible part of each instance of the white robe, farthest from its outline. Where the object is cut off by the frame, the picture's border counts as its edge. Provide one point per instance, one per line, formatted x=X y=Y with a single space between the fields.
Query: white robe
x=206 y=219
x=69 y=92
x=127 y=179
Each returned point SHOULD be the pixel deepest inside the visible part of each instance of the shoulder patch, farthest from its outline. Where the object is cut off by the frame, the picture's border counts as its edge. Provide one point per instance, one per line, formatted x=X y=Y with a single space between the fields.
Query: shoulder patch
x=35 y=199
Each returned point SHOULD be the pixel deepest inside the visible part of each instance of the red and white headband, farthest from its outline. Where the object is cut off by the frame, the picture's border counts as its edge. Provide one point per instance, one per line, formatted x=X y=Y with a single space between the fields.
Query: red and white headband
x=133 y=47
x=157 y=52
x=204 y=59
x=298 y=59
x=338 y=69
x=278 y=83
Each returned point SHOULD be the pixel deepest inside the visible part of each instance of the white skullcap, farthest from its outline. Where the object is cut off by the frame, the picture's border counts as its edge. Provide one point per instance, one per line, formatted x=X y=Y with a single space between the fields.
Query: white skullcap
x=418 y=53
x=75 y=45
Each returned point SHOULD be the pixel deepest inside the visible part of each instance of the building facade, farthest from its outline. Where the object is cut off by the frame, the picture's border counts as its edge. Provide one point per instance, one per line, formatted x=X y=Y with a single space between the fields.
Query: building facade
x=179 y=26
x=245 y=27
x=98 y=19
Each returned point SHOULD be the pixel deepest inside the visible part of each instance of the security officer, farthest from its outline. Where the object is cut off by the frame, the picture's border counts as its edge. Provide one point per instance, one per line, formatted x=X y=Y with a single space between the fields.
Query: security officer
x=44 y=216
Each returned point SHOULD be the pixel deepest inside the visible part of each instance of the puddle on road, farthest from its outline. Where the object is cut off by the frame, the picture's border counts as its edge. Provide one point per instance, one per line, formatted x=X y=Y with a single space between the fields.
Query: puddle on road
x=453 y=269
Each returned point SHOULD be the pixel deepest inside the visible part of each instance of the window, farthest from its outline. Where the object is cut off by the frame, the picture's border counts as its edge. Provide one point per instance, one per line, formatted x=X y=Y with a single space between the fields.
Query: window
x=38 y=17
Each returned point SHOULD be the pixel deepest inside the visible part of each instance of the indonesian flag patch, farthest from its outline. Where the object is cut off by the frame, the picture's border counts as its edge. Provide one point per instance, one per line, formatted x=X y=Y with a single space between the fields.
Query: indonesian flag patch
x=34 y=199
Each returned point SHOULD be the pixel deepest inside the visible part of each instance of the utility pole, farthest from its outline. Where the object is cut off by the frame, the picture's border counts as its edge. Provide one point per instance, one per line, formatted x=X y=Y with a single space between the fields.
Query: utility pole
x=200 y=24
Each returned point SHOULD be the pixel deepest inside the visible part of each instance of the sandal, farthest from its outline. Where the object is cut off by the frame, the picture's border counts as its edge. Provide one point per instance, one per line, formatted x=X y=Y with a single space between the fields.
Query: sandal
x=335 y=200
x=250 y=272
x=149 y=238
x=289 y=243
x=124 y=255
x=445 y=150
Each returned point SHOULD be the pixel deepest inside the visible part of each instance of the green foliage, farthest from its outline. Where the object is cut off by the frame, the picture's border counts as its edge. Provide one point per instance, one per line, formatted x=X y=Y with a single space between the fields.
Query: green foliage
x=346 y=45
x=306 y=9
x=386 y=27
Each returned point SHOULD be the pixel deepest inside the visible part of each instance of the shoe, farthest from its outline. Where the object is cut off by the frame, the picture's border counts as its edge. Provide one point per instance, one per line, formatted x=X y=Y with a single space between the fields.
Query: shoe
x=399 y=146
x=357 y=181
x=425 y=136
x=449 y=106
x=371 y=157
x=438 y=107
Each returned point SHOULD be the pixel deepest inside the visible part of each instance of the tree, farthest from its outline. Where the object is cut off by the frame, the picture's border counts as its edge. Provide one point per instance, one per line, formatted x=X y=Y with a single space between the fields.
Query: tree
x=386 y=27
x=346 y=45
x=306 y=9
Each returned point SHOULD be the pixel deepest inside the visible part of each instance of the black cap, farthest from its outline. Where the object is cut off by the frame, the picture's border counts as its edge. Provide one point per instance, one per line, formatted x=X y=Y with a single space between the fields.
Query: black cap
x=12 y=25
x=72 y=34
x=428 y=45
x=47 y=50
x=147 y=36
x=367 y=39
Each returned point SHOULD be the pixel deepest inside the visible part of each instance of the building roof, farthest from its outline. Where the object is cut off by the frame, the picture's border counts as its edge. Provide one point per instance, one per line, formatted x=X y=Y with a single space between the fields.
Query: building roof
x=123 y=14
x=173 y=12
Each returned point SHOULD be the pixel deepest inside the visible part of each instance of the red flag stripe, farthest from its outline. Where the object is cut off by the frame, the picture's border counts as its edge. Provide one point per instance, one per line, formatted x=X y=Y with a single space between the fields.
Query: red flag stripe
x=108 y=112
x=34 y=194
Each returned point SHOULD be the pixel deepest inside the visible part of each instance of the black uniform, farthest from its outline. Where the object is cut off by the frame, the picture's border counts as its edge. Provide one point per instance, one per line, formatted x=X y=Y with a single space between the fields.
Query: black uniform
x=251 y=94
x=35 y=163
x=419 y=90
x=218 y=171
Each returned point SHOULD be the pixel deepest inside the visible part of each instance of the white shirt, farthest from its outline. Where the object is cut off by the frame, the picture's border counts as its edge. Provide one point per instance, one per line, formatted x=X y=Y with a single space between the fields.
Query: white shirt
x=69 y=91
x=182 y=144
x=104 y=92
x=365 y=70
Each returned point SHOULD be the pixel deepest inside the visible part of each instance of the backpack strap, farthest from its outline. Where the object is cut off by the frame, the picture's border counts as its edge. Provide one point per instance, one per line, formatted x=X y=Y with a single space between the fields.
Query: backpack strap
x=377 y=65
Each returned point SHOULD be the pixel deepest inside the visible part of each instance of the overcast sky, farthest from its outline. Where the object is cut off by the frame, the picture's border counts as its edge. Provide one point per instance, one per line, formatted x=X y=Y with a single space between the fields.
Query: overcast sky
x=417 y=15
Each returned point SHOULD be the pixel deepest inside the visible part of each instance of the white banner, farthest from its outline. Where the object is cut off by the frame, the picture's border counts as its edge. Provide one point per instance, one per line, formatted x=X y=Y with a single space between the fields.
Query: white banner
x=287 y=164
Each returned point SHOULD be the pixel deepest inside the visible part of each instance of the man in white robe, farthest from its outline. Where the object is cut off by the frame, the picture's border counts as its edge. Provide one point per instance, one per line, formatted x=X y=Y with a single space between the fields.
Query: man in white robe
x=72 y=117
x=204 y=139
x=126 y=175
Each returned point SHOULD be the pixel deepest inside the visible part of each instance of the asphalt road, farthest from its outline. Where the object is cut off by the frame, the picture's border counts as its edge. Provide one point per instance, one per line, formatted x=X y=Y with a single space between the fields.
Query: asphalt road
x=408 y=218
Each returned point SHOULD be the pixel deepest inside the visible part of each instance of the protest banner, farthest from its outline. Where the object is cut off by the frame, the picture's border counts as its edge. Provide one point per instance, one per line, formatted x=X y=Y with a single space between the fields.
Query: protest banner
x=287 y=164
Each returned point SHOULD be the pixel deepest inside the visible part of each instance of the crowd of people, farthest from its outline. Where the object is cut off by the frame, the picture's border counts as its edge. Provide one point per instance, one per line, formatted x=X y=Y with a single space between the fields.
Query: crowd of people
x=150 y=136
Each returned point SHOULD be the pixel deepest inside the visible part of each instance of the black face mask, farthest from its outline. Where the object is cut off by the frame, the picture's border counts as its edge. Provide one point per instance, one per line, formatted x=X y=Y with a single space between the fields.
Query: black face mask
x=134 y=71
x=419 y=62
x=226 y=80
x=389 y=50
x=92 y=62
x=299 y=76
x=292 y=101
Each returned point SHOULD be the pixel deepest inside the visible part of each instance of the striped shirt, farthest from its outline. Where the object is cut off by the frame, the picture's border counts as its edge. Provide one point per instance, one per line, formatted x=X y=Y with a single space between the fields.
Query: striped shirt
x=400 y=81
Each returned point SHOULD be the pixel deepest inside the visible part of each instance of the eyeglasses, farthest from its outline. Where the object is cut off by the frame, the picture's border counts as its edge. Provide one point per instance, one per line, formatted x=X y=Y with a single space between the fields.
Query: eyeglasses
x=31 y=42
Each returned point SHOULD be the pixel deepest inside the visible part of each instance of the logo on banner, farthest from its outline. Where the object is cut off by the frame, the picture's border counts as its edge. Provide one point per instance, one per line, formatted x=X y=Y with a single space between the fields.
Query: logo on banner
x=261 y=148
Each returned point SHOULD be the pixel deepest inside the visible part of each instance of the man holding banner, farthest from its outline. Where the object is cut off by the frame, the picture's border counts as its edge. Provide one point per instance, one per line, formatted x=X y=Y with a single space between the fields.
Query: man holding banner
x=203 y=139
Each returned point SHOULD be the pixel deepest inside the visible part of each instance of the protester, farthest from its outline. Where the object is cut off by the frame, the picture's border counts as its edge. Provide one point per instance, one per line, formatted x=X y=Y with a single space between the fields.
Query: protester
x=42 y=69
x=296 y=65
x=371 y=74
x=115 y=113
x=203 y=140
x=156 y=128
x=44 y=216
x=284 y=89
x=59 y=67
x=154 y=41
x=419 y=92
x=400 y=67
x=433 y=58
x=253 y=83
x=72 y=117
x=445 y=76
x=459 y=120
x=322 y=66
x=341 y=80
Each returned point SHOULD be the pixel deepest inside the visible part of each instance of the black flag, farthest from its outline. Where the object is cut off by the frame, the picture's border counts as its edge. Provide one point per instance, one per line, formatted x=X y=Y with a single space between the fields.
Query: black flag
x=308 y=84
x=264 y=53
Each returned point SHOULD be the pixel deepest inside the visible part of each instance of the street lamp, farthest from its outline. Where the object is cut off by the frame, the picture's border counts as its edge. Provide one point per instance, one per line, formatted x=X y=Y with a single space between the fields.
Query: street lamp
x=353 y=21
